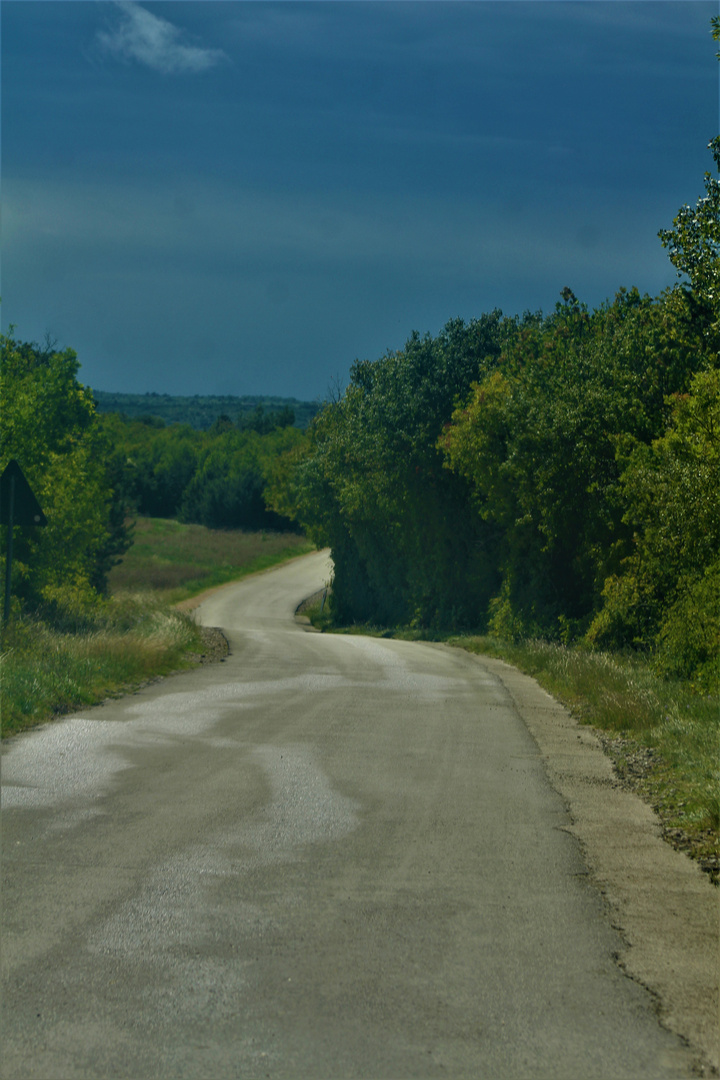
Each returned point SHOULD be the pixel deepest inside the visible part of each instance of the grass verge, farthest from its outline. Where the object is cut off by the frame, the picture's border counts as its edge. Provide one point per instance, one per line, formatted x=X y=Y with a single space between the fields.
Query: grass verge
x=663 y=738
x=179 y=561
x=47 y=672
x=137 y=633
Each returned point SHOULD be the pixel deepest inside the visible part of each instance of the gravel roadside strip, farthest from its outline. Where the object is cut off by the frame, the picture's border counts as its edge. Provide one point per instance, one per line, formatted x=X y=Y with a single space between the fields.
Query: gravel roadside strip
x=665 y=907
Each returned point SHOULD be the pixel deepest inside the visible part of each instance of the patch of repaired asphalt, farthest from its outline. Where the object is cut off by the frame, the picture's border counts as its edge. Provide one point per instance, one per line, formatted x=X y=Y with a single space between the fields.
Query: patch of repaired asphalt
x=661 y=902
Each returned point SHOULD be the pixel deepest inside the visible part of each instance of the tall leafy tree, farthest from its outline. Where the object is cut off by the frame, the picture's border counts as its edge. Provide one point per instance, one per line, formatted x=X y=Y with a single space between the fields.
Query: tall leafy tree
x=406 y=545
x=694 y=241
x=537 y=441
x=50 y=427
x=666 y=595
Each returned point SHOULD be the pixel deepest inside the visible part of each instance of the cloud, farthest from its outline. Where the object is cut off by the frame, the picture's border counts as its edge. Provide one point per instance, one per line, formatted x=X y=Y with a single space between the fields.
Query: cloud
x=155 y=42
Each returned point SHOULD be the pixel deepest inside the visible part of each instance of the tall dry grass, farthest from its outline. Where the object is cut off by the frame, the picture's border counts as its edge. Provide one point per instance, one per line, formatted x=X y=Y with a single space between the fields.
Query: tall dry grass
x=73 y=658
x=47 y=672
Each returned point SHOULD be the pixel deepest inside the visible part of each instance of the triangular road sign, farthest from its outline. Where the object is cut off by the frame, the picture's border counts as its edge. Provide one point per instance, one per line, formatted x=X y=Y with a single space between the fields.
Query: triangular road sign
x=15 y=493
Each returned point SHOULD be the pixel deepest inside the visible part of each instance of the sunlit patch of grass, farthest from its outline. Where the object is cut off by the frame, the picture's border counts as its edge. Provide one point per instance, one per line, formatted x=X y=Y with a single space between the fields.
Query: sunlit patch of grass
x=181 y=560
x=79 y=657
x=47 y=673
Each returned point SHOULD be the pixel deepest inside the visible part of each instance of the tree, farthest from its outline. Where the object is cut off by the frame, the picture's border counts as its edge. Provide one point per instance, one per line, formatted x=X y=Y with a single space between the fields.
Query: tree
x=694 y=242
x=666 y=596
x=50 y=428
x=406 y=545
x=228 y=486
x=264 y=422
x=537 y=442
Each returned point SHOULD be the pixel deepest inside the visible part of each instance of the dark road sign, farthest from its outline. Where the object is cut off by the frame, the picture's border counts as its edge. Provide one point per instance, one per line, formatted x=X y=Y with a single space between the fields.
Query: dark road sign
x=20 y=503
x=18 y=506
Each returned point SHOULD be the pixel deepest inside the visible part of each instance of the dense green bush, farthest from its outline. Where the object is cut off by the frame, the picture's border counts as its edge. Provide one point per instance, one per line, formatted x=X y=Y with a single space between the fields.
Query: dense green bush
x=544 y=441
x=227 y=489
x=665 y=594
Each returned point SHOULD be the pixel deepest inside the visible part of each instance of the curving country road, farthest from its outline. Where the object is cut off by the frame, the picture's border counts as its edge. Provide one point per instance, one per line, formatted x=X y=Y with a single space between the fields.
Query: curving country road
x=325 y=857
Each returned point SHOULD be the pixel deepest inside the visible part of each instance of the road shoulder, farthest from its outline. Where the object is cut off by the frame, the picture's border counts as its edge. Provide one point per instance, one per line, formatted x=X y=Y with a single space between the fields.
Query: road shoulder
x=665 y=908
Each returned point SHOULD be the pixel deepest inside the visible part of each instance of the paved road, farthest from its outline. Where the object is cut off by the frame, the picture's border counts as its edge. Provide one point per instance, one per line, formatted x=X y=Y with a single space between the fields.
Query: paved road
x=325 y=857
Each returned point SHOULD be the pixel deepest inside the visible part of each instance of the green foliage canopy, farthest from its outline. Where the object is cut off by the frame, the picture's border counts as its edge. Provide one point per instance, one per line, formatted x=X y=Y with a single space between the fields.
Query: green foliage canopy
x=667 y=592
x=406 y=544
x=538 y=443
x=215 y=478
x=49 y=426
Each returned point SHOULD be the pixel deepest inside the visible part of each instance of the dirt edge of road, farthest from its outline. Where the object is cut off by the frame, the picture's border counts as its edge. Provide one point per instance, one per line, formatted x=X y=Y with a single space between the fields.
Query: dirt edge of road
x=661 y=902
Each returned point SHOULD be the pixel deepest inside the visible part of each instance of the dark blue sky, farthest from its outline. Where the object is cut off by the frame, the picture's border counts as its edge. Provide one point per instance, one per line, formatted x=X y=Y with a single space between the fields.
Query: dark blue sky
x=242 y=198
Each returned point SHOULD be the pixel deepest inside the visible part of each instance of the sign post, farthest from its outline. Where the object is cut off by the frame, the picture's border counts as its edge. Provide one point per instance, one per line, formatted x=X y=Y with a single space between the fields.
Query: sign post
x=18 y=506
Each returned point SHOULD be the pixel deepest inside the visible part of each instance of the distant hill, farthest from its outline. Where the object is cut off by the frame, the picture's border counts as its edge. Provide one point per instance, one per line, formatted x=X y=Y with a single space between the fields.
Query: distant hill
x=199 y=412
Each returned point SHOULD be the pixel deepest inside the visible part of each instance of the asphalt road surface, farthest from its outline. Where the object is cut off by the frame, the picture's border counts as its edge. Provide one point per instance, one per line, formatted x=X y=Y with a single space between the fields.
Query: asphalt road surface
x=324 y=857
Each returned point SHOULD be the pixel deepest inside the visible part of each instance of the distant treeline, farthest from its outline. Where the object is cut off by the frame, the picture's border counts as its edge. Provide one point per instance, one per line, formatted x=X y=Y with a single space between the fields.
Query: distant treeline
x=201 y=411
x=91 y=473
x=216 y=478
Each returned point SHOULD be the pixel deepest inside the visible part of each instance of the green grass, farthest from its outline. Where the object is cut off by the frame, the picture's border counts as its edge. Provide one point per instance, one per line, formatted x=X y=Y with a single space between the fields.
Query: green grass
x=47 y=672
x=663 y=737
x=179 y=561
x=636 y=710
x=136 y=633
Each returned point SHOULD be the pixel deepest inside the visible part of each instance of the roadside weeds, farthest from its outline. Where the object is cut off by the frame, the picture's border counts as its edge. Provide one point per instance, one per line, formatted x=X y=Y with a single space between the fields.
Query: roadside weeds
x=140 y=633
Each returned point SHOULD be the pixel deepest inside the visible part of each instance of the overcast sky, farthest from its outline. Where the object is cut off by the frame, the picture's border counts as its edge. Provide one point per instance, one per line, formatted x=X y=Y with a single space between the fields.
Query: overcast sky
x=244 y=197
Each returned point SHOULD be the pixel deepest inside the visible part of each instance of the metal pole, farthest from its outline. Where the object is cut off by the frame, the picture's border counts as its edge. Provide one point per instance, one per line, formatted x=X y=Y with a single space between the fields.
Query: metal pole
x=8 y=559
